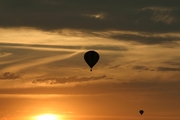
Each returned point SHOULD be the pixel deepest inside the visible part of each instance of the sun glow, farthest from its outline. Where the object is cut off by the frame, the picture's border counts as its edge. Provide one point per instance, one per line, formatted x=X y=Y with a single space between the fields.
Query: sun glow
x=47 y=117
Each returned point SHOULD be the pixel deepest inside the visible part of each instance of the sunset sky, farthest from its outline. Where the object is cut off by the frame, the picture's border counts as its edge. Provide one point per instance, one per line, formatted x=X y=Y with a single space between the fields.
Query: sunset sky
x=42 y=67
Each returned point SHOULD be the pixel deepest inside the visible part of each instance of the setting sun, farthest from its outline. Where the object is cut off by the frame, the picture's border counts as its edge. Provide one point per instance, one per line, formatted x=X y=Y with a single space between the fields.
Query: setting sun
x=47 y=117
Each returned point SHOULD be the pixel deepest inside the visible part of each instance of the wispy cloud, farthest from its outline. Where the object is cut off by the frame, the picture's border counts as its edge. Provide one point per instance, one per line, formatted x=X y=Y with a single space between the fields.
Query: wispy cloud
x=8 y=75
x=161 y=14
x=38 y=61
x=166 y=69
x=137 y=67
x=58 y=80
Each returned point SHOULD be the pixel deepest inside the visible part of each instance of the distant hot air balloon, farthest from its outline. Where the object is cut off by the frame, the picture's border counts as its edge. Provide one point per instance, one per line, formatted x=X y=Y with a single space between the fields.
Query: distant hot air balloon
x=141 y=112
x=91 y=57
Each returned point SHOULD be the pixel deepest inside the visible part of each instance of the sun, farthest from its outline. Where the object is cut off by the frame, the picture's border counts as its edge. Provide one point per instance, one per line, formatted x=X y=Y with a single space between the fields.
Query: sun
x=47 y=117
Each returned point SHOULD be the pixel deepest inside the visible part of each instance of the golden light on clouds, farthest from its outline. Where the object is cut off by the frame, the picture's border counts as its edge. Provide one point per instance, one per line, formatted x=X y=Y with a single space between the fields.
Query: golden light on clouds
x=69 y=37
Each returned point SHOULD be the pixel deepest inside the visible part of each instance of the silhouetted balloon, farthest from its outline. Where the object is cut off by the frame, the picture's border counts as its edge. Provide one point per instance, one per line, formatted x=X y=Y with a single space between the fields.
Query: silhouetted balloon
x=141 y=112
x=91 y=58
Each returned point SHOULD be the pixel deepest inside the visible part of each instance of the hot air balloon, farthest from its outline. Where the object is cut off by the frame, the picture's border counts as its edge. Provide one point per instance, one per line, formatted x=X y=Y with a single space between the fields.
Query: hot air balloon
x=141 y=112
x=91 y=57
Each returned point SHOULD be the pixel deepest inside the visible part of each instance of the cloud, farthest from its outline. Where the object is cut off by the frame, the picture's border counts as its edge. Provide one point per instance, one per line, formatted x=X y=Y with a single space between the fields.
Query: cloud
x=59 y=80
x=3 y=54
x=173 y=63
x=102 y=87
x=70 y=48
x=145 y=39
x=8 y=75
x=114 y=66
x=137 y=67
x=52 y=15
x=142 y=37
x=166 y=69
x=23 y=56
x=161 y=14
x=97 y=16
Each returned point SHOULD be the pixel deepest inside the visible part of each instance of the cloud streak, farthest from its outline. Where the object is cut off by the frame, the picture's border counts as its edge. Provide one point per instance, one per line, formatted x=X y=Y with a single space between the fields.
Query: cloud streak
x=59 y=80
x=39 y=61
x=166 y=69
x=101 y=87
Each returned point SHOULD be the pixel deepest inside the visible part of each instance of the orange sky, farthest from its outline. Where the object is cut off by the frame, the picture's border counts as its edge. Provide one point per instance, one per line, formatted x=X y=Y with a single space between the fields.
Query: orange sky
x=42 y=69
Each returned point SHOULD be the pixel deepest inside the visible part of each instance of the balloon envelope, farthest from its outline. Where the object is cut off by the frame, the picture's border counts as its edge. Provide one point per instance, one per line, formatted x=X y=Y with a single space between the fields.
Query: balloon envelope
x=91 y=58
x=141 y=112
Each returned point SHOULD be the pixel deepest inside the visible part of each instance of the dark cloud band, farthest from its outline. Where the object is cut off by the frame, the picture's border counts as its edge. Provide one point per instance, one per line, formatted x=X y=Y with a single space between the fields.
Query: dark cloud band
x=149 y=16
